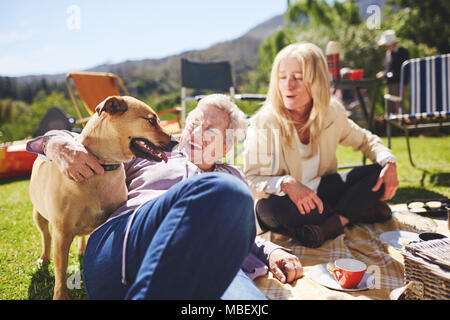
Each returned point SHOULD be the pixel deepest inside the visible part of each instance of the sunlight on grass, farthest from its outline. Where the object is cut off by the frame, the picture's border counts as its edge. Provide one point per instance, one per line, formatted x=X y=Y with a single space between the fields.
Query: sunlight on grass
x=20 y=243
x=432 y=172
x=20 y=247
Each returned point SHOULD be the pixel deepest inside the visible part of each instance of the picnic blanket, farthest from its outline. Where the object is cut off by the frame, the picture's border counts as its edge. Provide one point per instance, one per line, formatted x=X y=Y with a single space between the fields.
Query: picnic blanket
x=360 y=241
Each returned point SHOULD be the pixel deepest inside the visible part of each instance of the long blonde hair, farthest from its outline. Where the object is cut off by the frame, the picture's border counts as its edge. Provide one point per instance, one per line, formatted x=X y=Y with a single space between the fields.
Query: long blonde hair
x=316 y=80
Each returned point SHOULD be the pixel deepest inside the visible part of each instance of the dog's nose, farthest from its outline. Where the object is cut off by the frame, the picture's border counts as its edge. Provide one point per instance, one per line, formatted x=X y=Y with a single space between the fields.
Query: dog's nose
x=173 y=143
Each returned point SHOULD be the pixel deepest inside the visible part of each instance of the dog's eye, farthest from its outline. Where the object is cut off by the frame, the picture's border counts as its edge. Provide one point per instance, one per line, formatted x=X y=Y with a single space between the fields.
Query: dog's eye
x=152 y=121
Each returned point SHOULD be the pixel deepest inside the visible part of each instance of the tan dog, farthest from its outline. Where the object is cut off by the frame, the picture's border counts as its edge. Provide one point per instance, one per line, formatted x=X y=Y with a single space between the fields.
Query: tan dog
x=123 y=127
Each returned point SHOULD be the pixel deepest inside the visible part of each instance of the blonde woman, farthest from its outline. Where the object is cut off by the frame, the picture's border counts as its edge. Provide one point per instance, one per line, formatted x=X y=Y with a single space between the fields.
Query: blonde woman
x=290 y=155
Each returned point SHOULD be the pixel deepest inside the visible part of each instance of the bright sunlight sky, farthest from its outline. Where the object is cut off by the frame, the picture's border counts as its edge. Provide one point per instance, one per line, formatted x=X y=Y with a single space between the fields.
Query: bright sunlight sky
x=55 y=36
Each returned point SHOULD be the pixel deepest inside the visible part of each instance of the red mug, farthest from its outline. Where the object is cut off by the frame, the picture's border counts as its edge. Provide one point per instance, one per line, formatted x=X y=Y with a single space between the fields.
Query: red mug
x=349 y=272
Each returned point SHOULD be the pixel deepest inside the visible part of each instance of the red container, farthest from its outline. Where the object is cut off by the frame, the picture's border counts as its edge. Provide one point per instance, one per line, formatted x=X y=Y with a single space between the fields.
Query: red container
x=332 y=53
x=356 y=74
x=15 y=160
x=334 y=66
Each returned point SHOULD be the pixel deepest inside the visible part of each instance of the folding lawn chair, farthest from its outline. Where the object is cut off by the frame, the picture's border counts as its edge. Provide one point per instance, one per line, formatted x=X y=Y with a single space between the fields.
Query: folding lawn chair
x=94 y=87
x=213 y=76
x=429 y=98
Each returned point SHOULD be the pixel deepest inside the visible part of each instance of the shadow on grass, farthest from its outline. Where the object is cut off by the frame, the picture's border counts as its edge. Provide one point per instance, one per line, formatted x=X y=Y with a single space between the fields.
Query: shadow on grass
x=14 y=179
x=440 y=179
x=412 y=193
x=43 y=282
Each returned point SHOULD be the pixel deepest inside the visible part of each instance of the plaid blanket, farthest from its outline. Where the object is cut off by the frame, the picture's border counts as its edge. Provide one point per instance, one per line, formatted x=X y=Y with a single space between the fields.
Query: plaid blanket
x=360 y=241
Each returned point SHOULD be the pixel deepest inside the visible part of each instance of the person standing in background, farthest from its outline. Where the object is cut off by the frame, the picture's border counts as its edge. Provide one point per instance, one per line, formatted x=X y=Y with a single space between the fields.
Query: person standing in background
x=395 y=56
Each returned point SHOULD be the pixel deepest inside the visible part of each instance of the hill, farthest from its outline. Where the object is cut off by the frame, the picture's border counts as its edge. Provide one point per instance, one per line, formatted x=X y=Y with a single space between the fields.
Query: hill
x=163 y=75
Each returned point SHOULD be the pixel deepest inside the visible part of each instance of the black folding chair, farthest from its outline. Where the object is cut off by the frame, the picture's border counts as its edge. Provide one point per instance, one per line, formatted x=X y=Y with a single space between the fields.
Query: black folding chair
x=54 y=119
x=213 y=76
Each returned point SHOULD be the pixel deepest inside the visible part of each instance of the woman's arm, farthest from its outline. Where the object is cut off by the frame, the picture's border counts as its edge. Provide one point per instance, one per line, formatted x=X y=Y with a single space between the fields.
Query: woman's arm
x=362 y=140
x=388 y=177
x=71 y=157
x=261 y=158
x=304 y=198
x=285 y=266
x=38 y=145
x=262 y=168
x=373 y=148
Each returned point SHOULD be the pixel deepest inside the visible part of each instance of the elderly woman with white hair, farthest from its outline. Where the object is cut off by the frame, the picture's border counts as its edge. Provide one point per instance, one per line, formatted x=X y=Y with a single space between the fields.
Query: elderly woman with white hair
x=209 y=134
x=187 y=230
x=290 y=155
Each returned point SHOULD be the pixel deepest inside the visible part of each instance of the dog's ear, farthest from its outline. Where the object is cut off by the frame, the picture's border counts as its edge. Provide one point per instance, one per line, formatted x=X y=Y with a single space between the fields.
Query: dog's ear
x=112 y=105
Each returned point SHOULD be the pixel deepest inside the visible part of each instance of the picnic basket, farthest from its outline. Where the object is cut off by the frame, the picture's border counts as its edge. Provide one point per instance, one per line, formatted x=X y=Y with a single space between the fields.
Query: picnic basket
x=427 y=266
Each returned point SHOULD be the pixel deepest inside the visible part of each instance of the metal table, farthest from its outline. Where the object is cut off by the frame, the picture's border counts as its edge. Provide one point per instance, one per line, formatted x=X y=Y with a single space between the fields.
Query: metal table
x=356 y=85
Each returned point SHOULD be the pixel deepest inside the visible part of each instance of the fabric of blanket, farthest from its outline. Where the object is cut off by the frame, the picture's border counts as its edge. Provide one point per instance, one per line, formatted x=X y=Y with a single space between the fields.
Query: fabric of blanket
x=360 y=241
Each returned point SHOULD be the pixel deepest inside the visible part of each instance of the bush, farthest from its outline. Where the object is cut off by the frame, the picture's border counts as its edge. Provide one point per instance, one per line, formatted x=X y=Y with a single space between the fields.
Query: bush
x=25 y=118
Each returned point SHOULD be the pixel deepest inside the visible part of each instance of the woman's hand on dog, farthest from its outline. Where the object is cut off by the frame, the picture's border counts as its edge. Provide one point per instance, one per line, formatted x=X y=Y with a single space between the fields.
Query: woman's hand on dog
x=72 y=158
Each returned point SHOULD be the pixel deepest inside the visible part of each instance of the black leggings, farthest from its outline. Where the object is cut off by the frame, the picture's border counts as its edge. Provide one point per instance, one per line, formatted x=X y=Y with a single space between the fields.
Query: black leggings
x=348 y=194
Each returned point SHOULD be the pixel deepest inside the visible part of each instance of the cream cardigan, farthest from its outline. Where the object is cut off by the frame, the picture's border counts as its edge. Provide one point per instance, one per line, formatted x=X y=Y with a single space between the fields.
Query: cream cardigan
x=266 y=154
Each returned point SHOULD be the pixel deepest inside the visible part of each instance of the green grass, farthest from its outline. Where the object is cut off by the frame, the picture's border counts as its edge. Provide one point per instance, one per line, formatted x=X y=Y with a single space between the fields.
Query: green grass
x=20 y=247
x=431 y=176
x=20 y=243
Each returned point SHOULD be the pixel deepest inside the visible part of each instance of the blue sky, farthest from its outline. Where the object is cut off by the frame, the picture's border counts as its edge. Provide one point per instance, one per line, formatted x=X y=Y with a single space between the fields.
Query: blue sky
x=45 y=37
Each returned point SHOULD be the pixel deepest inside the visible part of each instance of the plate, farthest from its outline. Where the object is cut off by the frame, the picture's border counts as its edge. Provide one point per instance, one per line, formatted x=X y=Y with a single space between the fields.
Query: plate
x=320 y=274
x=424 y=207
x=398 y=239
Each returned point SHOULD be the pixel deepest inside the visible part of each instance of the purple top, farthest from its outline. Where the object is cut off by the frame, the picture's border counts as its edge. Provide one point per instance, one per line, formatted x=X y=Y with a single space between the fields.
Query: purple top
x=147 y=180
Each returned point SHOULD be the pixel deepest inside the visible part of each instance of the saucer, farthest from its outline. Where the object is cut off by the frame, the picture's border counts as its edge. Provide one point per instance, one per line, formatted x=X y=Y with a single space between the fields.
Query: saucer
x=320 y=274
x=398 y=239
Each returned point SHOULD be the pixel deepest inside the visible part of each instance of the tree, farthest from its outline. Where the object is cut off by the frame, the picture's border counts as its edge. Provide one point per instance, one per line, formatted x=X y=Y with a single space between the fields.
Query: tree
x=423 y=22
x=319 y=12
x=318 y=22
x=10 y=112
x=8 y=87
x=257 y=80
x=22 y=120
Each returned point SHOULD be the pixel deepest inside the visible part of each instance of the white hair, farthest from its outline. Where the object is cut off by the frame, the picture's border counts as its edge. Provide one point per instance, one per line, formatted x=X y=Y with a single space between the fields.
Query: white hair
x=238 y=121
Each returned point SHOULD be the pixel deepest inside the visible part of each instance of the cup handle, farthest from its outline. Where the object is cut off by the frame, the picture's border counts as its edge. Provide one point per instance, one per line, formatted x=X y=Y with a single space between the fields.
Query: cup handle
x=337 y=274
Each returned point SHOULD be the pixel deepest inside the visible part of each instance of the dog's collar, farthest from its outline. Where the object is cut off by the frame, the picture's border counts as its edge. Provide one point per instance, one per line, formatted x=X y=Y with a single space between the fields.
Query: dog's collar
x=110 y=167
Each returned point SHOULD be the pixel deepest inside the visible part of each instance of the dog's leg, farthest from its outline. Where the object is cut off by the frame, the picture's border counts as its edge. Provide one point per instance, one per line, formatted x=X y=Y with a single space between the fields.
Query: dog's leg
x=62 y=242
x=42 y=225
x=81 y=245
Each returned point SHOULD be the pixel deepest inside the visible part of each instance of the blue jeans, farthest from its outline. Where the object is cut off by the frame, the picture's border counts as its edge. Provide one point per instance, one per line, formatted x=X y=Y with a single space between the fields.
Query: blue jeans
x=188 y=243
x=243 y=288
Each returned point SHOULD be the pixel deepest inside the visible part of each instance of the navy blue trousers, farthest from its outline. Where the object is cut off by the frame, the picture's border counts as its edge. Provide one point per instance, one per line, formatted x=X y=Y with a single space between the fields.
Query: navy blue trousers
x=188 y=243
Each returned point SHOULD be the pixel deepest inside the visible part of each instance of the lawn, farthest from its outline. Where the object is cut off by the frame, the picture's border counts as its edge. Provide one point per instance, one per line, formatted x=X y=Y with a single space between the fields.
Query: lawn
x=20 y=243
